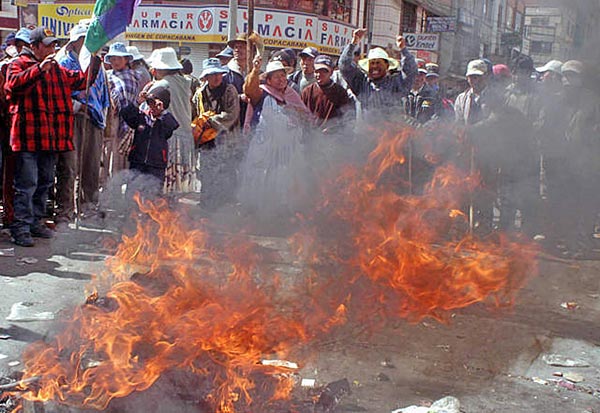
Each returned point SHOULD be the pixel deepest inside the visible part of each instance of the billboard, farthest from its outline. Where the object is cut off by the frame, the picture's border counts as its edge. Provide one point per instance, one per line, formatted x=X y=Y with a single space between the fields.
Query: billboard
x=209 y=24
x=60 y=18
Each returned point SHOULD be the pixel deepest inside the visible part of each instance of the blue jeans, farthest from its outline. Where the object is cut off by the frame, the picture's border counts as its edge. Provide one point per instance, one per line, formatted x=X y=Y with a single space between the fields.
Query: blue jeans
x=34 y=175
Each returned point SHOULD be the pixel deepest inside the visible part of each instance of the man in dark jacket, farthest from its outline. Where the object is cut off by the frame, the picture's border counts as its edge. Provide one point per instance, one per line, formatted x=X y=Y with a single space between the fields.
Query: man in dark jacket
x=39 y=95
x=422 y=102
x=375 y=87
x=325 y=98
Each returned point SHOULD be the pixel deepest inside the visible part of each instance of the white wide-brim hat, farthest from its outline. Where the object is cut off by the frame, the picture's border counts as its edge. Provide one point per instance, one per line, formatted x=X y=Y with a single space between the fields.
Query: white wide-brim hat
x=378 y=53
x=165 y=59
x=135 y=52
x=212 y=66
x=117 y=49
x=552 y=66
x=274 y=66
x=77 y=32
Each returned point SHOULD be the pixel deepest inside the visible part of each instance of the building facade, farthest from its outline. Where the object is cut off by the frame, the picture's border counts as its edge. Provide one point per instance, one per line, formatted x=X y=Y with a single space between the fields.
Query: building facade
x=447 y=32
x=199 y=29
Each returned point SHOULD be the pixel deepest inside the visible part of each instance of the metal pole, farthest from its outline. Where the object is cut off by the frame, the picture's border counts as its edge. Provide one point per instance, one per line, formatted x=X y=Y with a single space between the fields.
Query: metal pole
x=233 y=13
x=471 y=200
x=249 y=44
x=370 y=18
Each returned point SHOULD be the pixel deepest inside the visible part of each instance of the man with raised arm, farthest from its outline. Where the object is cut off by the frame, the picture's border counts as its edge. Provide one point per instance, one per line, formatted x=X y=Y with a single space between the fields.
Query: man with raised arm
x=375 y=86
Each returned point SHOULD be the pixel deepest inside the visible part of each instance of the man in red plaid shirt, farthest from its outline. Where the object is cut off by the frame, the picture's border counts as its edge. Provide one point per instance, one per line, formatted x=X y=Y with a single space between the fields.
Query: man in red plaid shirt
x=39 y=96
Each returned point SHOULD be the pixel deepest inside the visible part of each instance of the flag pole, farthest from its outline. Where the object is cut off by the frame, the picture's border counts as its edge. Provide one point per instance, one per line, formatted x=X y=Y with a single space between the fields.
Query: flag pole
x=80 y=150
x=249 y=44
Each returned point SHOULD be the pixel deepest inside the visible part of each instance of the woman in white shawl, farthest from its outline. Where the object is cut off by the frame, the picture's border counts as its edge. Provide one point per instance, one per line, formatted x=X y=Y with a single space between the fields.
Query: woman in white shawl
x=181 y=168
x=275 y=173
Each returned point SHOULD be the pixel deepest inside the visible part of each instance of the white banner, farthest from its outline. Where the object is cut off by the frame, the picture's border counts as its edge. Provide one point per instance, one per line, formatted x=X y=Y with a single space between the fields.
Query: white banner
x=209 y=25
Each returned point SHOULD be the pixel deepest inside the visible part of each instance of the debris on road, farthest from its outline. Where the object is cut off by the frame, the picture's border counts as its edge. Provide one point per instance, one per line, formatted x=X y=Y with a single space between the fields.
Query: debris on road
x=565 y=384
x=448 y=404
x=25 y=311
x=332 y=394
x=383 y=377
x=570 y=305
x=27 y=260
x=308 y=382
x=574 y=377
x=387 y=363
x=563 y=361
x=280 y=363
x=7 y=252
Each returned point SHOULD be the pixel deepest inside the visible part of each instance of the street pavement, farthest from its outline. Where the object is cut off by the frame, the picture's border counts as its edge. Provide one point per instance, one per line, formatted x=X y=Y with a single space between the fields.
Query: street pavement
x=492 y=360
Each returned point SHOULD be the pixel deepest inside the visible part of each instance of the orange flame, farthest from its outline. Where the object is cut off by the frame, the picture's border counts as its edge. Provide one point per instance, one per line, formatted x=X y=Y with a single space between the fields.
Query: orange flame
x=192 y=299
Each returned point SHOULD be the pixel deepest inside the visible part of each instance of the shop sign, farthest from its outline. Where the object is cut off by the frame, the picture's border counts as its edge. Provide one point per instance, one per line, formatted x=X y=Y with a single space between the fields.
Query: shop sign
x=60 y=18
x=441 y=24
x=422 y=41
x=210 y=25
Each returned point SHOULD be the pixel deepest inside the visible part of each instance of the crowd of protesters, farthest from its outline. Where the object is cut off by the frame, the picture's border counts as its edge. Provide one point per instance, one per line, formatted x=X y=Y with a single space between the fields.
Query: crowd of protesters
x=532 y=133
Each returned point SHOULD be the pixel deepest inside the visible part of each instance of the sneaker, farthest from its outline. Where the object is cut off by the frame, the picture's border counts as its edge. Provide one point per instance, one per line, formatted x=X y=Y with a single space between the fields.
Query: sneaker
x=23 y=239
x=42 y=231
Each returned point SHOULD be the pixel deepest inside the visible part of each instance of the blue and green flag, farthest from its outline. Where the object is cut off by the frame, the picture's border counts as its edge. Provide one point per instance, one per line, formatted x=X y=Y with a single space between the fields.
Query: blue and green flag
x=110 y=19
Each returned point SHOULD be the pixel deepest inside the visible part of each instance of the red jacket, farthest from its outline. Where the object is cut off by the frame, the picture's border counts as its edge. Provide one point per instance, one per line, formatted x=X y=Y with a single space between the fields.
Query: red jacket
x=40 y=104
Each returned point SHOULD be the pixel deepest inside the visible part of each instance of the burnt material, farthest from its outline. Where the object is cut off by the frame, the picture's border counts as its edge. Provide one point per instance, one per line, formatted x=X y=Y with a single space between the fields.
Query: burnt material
x=332 y=395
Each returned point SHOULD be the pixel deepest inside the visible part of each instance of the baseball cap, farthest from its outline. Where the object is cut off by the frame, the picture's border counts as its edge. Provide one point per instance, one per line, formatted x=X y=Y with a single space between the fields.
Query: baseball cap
x=477 y=67
x=501 y=70
x=309 y=52
x=572 y=66
x=23 y=35
x=323 y=62
x=161 y=93
x=42 y=34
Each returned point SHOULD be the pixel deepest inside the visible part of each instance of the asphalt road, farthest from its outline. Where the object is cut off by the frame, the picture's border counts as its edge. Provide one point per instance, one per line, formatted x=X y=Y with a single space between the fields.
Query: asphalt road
x=491 y=360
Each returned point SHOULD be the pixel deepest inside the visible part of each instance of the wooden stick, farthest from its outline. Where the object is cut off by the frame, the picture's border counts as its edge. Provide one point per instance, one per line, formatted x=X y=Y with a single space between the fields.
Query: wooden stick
x=249 y=44
x=15 y=384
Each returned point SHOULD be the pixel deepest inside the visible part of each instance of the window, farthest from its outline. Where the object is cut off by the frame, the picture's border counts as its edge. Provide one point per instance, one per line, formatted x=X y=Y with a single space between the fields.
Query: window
x=518 y=21
x=409 y=18
x=500 y=16
x=539 y=47
x=540 y=21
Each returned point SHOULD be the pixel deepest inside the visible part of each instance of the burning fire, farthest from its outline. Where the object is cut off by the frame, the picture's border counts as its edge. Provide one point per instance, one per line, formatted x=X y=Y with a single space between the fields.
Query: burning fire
x=181 y=299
